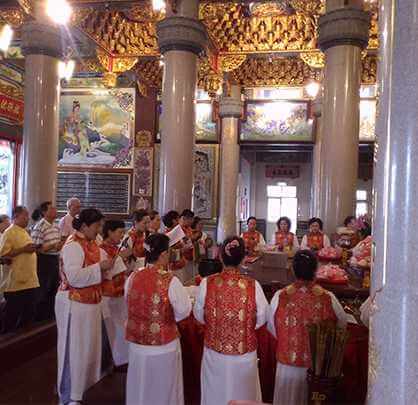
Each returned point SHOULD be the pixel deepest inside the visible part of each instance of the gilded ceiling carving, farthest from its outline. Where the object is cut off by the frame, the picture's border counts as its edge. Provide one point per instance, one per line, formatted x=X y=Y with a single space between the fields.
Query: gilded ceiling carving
x=261 y=71
x=233 y=32
x=369 y=69
x=150 y=72
x=14 y=17
x=119 y=36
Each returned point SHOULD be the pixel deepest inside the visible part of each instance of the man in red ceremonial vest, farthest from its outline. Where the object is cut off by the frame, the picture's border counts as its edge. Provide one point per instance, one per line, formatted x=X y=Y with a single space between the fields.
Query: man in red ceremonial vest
x=252 y=238
x=302 y=303
x=186 y=219
x=232 y=306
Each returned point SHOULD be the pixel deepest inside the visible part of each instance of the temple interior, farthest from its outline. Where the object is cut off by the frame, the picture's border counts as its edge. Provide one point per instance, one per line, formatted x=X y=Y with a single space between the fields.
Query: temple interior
x=251 y=118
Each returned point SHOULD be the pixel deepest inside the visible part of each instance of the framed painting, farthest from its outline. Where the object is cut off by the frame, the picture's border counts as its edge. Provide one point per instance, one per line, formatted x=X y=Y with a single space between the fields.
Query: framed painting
x=143 y=171
x=96 y=127
x=367 y=120
x=277 y=121
x=205 y=181
x=206 y=128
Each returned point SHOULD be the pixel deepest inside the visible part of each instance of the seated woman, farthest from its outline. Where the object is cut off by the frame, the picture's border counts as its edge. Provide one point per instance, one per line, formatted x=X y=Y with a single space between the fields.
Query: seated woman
x=303 y=302
x=156 y=301
x=351 y=224
x=285 y=240
x=315 y=240
x=232 y=306
x=253 y=239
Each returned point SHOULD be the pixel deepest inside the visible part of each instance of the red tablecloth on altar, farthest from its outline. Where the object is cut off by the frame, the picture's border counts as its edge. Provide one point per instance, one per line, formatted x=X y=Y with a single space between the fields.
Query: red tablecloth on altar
x=353 y=388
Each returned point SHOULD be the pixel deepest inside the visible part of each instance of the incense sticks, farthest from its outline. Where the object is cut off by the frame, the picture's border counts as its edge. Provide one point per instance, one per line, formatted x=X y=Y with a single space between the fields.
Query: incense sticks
x=327 y=343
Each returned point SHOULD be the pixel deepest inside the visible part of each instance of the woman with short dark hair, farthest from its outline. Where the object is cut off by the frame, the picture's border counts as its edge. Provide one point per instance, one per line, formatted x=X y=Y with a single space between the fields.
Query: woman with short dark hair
x=285 y=240
x=78 y=308
x=315 y=239
x=291 y=309
x=232 y=306
x=137 y=236
x=156 y=301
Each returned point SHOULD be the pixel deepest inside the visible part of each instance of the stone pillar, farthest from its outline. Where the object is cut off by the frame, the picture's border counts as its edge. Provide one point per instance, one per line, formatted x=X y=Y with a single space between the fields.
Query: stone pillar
x=42 y=47
x=230 y=110
x=316 y=158
x=343 y=32
x=181 y=39
x=393 y=353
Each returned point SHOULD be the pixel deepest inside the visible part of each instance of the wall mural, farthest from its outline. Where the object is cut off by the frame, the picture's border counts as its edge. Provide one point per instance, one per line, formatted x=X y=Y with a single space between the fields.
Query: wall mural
x=143 y=168
x=277 y=121
x=96 y=128
x=205 y=125
x=205 y=181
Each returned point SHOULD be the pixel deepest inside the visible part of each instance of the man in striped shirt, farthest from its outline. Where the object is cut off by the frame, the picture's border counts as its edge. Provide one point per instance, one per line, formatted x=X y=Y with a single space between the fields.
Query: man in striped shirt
x=46 y=236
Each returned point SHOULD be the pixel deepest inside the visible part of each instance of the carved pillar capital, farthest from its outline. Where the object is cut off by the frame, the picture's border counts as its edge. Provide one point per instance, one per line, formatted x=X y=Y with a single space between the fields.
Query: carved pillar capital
x=344 y=26
x=230 y=107
x=181 y=34
x=42 y=39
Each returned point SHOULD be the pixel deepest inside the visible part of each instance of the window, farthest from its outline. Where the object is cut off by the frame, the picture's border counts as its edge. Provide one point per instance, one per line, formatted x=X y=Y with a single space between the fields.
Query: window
x=7 y=172
x=362 y=205
x=282 y=201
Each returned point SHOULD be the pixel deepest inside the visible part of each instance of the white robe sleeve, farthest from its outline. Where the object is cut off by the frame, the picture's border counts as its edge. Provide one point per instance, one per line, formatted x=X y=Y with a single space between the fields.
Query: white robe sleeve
x=77 y=275
x=341 y=315
x=118 y=267
x=262 y=242
x=327 y=243
x=365 y=312
x=296 y=246
x=179 y=299
x=271 y=325
x=304 y=244
x=199 y=306
x=262 y=306
x=127 y=287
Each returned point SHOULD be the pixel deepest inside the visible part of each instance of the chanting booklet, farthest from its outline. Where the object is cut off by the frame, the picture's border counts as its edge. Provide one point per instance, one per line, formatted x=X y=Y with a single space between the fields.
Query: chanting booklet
x=176 y=235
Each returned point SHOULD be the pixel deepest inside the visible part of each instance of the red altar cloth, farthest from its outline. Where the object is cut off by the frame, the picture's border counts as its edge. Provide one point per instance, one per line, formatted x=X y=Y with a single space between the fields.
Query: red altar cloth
x=353 y=388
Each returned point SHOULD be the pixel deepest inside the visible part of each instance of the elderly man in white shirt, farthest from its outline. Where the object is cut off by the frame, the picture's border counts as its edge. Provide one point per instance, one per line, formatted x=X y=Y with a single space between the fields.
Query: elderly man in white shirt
x=66 y=222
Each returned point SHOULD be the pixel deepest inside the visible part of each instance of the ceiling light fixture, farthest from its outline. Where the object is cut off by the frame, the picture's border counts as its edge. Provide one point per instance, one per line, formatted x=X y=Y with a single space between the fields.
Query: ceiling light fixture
x=59 y=11
x=158 y=5
x=6 y=36
x=312 y=89
x=66 y=69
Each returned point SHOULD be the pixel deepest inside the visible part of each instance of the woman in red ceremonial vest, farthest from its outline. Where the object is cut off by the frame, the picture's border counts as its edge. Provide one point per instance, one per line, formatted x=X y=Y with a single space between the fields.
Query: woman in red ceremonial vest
x=137 y=236
x=186 y=220
x=114 y=305
x=315 y=240
x=79 y=314
x=232 y=306
x=285 y=240
x=154 y=224
x=177 y=261
x=156 y=301
x=252 y=238
x=302 y=303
